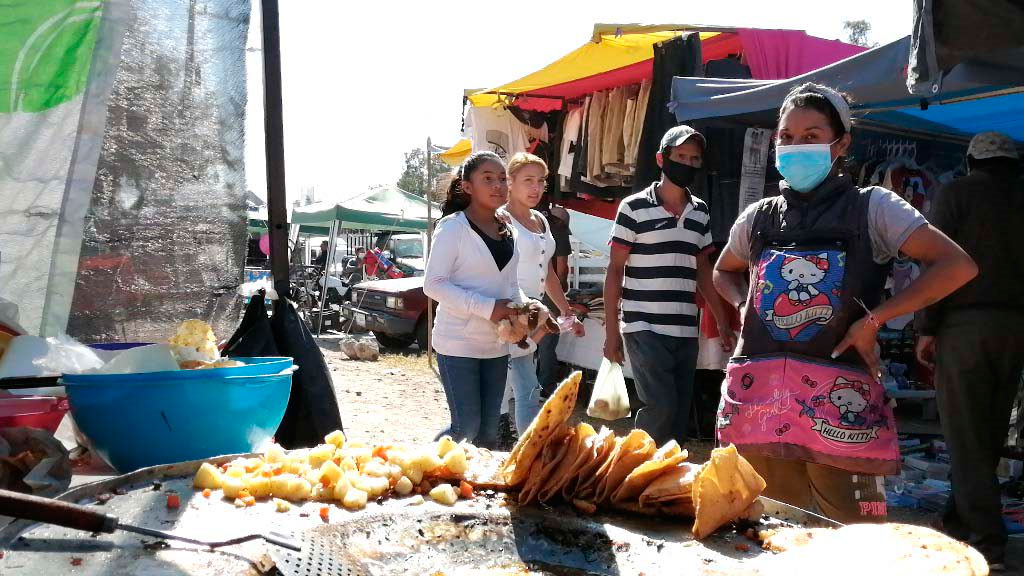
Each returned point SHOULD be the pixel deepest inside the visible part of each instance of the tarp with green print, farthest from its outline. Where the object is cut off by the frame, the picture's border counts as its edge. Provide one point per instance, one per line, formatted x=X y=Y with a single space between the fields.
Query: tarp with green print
x=45 y=51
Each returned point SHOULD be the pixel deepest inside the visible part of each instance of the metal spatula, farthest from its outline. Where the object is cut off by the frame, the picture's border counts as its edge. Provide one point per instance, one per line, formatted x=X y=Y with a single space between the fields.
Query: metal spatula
x=68 y=515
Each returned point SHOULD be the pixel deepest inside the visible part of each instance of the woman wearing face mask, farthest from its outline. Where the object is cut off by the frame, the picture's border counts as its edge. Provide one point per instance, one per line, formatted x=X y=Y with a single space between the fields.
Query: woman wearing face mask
x=802 y=399
x=471 y=272
x=527 y=176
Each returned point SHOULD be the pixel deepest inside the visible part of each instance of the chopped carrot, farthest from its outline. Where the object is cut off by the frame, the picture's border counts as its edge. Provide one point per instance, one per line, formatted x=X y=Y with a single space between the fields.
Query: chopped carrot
x=381 y=452
x=207 y=493
x=326 y=481
x=442 y=472
x=266 y=472
x=173 y=501
x=243 y=493
x=277 y=469
x=465 y=490
x=76 y=561
x=325 y=513
x=249 y=501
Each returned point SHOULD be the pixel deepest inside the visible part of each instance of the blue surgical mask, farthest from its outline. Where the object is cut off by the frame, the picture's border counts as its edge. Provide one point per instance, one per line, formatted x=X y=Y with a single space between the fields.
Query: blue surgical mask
x=804 y=166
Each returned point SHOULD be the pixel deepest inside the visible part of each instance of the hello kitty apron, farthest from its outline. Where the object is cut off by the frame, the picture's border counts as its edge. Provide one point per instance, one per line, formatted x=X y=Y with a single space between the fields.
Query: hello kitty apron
x=784 y=396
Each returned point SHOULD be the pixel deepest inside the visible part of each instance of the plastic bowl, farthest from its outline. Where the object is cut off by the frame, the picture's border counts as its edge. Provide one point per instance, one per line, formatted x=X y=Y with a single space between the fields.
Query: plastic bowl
x=44 y=412
x=140 y=420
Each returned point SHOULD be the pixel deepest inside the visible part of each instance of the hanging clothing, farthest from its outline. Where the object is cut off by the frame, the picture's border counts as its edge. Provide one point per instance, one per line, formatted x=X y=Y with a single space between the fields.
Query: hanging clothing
x=595 y=135
x=633 y=146
x=680 y=56
x=612 y=146
x=570 y=141
x=495 y=130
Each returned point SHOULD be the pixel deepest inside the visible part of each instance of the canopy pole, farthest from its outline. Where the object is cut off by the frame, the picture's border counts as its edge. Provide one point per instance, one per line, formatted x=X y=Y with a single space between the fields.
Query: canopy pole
x=327 y=273
x=430 y=233
x=273 y=128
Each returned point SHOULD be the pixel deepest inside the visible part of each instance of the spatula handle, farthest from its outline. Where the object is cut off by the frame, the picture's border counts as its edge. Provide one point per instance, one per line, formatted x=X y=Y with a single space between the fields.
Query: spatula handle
x=57 y=512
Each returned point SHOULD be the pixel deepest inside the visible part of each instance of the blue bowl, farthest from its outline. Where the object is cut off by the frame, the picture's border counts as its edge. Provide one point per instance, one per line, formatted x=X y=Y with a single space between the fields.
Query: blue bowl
x=140 y=420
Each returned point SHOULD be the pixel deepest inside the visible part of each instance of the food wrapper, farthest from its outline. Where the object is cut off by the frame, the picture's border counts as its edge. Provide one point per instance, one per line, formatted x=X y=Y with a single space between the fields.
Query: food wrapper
x=34 y=462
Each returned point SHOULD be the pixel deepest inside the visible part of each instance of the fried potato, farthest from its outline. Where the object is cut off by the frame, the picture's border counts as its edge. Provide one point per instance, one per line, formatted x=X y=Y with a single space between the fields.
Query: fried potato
x=331 y=471
x=354 y=499
x=321 y=454
x=455 y=460
x=257 y=485
x=337 y=438
x=403 y=487
x=641 y=477
x=208 y=476
x=445 y=445
x=444 y=494
x=280 y=486
x=634 y=450
x=724 y=488
x=232 y=486
x=553 y=414
x=274 y=454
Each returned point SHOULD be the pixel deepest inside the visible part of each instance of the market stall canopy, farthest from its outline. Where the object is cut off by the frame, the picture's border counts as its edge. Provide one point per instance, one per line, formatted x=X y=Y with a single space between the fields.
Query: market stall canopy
x=621 y=54
x=258 y=223
x=973 y=96
x=946 y=34
x=457 y=154
x=389 y=208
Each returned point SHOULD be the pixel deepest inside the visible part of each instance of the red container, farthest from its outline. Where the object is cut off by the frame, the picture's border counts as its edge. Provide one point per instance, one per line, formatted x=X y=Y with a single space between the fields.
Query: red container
x=43 y=412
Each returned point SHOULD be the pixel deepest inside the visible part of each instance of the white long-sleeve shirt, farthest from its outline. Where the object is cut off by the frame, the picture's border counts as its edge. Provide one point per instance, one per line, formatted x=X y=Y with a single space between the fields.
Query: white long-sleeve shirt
x=462 y=276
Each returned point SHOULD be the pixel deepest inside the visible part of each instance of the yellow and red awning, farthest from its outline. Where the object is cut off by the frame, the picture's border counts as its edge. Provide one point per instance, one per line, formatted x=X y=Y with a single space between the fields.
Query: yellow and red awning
x=620 y=55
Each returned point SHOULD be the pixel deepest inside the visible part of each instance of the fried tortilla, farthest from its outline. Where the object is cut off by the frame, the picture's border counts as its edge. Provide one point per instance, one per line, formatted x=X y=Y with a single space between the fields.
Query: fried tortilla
x=633 y=451
x=675 y=485
x=553 y=414
x=549 y=459
x=879 y=548
x=724 y=488
x=590 y=475
x=598 y=449
x=560 y=476
x=641 y=477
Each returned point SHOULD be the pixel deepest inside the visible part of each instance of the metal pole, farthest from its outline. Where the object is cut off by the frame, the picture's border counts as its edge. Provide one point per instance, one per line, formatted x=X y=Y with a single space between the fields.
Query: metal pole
x=277 y=204
x=430 y=231
x=327 y=273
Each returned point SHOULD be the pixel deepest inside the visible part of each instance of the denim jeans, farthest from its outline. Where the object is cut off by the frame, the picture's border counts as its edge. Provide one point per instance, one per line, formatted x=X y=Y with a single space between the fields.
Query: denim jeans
x=473 y=387
x=663 y=369
x=522 y=374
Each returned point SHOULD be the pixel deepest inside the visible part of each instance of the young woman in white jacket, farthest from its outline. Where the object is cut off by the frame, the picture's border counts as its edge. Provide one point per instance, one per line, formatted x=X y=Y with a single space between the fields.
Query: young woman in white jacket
x=527 y=175
x=472 y=274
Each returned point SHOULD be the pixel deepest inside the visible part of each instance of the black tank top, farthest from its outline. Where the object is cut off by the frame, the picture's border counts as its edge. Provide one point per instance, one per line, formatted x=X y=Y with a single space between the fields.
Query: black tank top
x=501 y=249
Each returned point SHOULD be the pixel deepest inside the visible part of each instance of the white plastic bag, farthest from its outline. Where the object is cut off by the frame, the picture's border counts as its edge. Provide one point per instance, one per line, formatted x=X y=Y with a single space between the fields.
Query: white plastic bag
x=609 y=401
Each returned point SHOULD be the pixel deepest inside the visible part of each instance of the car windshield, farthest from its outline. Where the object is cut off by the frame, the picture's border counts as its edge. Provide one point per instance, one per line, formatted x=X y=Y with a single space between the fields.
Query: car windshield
x=408 y=248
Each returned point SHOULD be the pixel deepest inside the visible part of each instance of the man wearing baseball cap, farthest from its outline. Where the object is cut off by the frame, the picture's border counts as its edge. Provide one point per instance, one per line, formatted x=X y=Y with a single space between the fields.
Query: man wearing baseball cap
x=660 y=248
x=974 y=338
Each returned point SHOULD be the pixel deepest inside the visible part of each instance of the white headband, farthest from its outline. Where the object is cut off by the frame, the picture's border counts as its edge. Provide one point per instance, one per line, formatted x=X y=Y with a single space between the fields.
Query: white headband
x=841 y=106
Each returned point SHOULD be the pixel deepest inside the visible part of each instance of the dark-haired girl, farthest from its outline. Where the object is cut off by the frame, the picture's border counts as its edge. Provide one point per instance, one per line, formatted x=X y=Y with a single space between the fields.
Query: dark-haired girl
x=802 y=398
x=472 y=273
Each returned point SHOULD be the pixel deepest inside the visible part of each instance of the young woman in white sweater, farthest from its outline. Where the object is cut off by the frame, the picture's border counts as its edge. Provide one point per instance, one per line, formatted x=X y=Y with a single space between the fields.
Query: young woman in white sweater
x=472 y=274
x=527 y=175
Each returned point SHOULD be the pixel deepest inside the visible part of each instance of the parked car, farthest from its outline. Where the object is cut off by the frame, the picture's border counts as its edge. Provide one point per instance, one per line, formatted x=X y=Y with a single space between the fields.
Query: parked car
x=395 y=310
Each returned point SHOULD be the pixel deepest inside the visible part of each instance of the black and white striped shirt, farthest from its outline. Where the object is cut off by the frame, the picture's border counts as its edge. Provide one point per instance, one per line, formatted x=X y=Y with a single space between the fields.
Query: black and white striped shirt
x=658 y=292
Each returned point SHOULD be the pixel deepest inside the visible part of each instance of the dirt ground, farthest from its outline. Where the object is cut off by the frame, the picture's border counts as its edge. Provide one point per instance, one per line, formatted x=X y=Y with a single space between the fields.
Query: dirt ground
x=400 y=398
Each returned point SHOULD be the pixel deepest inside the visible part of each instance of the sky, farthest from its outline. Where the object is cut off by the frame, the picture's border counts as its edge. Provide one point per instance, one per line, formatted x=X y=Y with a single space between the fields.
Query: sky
x=365 y=81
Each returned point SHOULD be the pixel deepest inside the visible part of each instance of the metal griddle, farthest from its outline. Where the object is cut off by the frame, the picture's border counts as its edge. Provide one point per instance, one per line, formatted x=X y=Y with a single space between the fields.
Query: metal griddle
x=486 y=535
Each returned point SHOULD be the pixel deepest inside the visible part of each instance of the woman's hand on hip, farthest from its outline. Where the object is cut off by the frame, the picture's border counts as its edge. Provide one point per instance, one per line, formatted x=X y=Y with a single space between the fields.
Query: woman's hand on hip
x=863 y=336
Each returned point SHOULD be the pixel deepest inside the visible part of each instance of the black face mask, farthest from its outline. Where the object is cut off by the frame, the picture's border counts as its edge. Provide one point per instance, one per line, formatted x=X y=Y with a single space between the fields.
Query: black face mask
x=680 y=174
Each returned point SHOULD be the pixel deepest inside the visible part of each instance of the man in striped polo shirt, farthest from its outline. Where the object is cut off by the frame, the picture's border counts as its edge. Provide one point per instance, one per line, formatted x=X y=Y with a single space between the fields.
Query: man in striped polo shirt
x=660 y=250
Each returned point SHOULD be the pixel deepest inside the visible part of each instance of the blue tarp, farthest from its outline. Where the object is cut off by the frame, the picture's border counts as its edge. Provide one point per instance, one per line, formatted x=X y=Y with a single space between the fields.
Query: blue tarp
x=973 y=97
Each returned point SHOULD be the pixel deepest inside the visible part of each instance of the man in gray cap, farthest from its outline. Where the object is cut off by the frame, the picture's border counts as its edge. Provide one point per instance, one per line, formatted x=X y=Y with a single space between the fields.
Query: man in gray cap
x=660 y=249
x=974 y=338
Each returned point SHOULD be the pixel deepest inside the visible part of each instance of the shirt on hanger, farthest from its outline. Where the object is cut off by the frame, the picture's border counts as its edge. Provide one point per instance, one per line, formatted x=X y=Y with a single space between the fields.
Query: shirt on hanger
x=570 y=141
x=495 y=130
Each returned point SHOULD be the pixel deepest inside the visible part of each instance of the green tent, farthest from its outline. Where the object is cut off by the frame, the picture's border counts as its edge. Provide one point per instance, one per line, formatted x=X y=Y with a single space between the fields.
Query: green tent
x=382 y=209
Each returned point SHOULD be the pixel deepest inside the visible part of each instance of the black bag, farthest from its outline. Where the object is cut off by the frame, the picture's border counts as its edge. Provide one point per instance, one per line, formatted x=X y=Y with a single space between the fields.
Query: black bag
x=313 y=410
